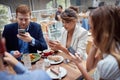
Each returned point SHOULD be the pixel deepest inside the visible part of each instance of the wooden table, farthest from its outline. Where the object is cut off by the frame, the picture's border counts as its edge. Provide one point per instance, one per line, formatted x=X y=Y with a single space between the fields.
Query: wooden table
x=72 y=71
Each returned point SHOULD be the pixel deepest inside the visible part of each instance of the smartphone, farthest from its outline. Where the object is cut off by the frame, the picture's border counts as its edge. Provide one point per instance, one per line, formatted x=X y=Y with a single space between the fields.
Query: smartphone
x=21 y=31
x=71 y=50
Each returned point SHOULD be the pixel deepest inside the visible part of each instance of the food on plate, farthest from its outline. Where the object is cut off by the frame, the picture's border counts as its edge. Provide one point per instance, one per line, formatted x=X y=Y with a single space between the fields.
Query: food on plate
x=55 y=70
x=54 y=58
x=32 y=56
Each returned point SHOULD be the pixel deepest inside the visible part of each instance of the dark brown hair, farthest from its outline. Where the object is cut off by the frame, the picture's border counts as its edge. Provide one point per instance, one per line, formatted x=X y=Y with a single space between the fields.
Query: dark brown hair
x=75 y=8
x=60 y=6
x=23 y=9
x=106 y=29
x=69 y=15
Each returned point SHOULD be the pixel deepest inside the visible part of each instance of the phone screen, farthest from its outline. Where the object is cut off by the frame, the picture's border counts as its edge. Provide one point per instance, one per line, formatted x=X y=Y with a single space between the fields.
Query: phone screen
x=21 y=31
x=71 y=50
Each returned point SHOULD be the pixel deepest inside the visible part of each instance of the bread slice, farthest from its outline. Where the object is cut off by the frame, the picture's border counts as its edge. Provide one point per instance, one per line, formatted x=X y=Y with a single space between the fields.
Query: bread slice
x=55 y=70
x=54 y=58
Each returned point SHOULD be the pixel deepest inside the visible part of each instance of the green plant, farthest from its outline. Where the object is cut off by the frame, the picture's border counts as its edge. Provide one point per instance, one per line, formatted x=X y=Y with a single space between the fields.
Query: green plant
x=3 y=16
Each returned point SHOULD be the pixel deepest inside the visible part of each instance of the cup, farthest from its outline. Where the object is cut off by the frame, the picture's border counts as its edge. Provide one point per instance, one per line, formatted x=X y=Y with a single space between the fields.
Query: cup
x=47 y=63
x=40 y=65
x=27 y=61
x=47 y=53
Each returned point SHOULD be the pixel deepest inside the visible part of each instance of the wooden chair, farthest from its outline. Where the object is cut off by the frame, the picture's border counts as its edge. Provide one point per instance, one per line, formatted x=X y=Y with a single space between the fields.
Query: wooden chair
x=89 y=45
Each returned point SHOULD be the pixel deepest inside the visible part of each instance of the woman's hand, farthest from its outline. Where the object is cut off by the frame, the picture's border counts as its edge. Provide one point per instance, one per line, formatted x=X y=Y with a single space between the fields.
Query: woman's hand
x=10 y=59
x=55 y=45
x=78 y=61
x=16 y=54
x=76 y=58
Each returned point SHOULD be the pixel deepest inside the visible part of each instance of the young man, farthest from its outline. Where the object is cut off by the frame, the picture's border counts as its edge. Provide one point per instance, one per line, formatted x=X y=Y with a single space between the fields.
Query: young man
x=29 y=42
x=59 y=11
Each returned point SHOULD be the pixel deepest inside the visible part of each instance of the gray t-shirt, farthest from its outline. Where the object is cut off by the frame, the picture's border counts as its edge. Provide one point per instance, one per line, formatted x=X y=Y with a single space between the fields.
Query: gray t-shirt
x=107 y=69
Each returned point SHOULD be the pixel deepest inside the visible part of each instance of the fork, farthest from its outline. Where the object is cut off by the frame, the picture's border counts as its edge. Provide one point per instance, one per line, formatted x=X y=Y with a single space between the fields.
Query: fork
x=59 y=75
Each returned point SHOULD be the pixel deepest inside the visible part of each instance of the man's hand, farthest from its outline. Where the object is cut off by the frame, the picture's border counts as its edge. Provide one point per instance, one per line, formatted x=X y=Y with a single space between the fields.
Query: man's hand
x=16 y=54
x=25 y=37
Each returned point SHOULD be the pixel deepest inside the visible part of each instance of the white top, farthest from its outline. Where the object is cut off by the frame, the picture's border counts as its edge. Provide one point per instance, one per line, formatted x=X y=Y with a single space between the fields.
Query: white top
x=79 y=40
x=108 y=68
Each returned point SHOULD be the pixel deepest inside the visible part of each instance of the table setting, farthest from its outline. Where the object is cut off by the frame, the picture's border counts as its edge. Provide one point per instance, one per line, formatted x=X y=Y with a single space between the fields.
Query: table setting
x=58 y=65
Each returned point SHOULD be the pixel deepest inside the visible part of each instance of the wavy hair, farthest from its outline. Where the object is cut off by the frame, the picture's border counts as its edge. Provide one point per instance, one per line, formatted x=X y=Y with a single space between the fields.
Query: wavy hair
x=69 y=15
x=75 y=8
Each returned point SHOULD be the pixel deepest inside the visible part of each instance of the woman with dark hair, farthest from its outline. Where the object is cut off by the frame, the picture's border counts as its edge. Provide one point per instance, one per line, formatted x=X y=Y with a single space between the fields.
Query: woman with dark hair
x=73 y=35
x=105 y=28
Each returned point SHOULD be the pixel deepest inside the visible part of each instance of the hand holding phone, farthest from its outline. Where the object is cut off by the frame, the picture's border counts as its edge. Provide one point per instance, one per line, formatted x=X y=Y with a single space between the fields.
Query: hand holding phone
x=71 y=50
x=21 y=31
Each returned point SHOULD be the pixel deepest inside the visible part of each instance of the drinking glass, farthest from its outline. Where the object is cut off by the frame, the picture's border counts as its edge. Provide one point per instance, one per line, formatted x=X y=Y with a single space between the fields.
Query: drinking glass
x=40 y=65
x=27 y=61
x=47 y=63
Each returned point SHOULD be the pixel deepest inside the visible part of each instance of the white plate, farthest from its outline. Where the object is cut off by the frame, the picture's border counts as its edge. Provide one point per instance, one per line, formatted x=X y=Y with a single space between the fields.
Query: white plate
x=56 y=62
x=63 y=72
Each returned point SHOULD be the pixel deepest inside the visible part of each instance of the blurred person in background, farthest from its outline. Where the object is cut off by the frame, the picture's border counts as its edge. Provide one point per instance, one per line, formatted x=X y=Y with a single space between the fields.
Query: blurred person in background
x=59 y=11
x=105 y=28
x=29 y=42
x=73 y=35
x=95 y=3
x=117 y=2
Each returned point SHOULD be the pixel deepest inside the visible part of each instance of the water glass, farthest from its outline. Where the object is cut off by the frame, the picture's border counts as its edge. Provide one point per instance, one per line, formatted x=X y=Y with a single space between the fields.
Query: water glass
x=27 y=61
x=40 y=65
x=47 y=63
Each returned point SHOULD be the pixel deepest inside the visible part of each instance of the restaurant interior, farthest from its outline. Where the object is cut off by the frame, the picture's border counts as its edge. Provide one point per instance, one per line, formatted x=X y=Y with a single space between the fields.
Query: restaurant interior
x=43 y=13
